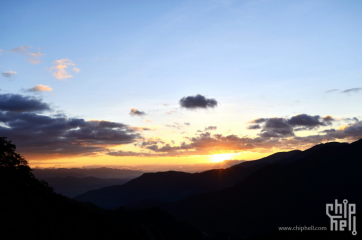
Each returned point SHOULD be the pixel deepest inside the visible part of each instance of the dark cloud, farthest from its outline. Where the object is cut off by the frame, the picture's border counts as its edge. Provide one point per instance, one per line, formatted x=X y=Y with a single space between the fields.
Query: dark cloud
x=305 y=120
x=198 y=101
x=19 y=103
x=328 y=118
x=277 y=127
x=38 y=134
x=210 y=128
x=351 y=119
x=135 y=112
x=332 y=130
x=255 y=126
x=352 y=90
x=41 y=135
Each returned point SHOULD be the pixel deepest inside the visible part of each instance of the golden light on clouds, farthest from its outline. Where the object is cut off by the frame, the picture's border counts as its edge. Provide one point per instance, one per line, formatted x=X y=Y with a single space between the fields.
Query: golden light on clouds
x=34 y=57
x=41 y=88
x=60 y=67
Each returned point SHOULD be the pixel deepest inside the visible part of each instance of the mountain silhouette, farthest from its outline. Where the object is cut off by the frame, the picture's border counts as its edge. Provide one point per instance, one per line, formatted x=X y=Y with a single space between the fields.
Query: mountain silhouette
x=277 y=195
x=173 y=186
x=256 y=197
x=73 y=186
x=31 y=210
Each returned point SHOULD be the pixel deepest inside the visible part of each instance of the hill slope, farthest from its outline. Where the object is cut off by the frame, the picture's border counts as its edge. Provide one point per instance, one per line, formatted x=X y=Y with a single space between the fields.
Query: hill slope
x=293 y=194
x=172 y=186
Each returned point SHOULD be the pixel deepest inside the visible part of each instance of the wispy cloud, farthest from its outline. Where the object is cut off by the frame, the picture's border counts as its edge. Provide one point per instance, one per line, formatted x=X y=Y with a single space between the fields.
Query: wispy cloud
x=1 y=51
x=33 y=57
x=60 y=67
x=332 y=90
x=40 y=88
x=8 y=74
x=352 y=90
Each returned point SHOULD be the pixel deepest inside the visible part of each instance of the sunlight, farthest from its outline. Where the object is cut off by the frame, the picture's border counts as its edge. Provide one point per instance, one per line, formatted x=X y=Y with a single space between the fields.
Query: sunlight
x=221 y=157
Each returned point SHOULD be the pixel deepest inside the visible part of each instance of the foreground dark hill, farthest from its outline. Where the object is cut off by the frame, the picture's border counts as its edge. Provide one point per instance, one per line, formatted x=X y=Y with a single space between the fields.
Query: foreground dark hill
x=173 y=186
x=31 y=210
x=279 y=195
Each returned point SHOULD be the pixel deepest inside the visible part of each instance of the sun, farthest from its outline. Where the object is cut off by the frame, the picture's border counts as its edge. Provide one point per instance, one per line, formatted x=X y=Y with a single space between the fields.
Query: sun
x=221 y=157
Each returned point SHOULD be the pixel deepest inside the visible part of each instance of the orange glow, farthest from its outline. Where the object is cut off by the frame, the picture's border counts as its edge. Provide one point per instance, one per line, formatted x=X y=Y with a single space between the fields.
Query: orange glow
x=221 y=157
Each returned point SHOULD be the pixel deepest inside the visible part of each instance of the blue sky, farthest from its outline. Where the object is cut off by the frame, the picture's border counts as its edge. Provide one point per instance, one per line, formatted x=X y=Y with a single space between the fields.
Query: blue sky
x=257 y=59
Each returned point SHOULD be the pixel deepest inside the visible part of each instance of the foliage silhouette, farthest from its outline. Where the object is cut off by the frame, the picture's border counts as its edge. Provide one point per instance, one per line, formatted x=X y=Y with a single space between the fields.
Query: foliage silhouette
x=30 y=209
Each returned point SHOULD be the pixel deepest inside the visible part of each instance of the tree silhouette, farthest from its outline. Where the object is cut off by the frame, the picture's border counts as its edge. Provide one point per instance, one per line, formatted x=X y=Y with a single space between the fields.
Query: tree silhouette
x=16 y=178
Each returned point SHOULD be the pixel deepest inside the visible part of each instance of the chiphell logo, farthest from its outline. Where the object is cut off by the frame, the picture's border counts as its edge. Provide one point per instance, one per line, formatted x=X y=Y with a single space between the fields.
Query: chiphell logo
x=342 y=216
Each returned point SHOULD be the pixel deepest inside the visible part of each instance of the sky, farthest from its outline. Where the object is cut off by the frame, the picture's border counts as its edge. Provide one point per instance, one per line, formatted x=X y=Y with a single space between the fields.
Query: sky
x=127 y=83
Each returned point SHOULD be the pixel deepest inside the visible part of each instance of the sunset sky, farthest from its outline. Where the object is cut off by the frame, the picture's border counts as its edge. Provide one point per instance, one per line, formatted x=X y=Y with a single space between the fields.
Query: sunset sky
x=127 y=83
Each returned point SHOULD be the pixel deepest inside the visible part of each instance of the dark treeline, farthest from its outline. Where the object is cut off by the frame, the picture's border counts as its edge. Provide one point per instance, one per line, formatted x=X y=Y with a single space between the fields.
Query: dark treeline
x=31 y=210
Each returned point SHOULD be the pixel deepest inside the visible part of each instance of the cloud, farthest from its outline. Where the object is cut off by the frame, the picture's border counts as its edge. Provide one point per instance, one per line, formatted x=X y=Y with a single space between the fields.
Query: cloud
x=148 y=120
x=352 y=90
x=21 y=50
x=141 y=129
x=1 y=52
x=198 y=101
x=210 y=128
x=19 y=103
x=135 y=112
x=171 y=112
x=276 y=128
x=129 y=154
x=8 y=74
x=206 y=144
x=187 y=123
x=259 y=120
x=305 y=120
x=33 y=57
x=60 y=68
x=255 y=126
x=76 y=69
x=41 y=135
x=328 y=118
x=332 y=90
x=276 y=135
x=175 y=125
x=40 y=88
x=354 y=119
x=328 y=131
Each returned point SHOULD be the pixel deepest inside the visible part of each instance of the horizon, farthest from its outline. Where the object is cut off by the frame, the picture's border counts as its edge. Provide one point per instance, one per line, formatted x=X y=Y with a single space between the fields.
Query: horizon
x=180 y=83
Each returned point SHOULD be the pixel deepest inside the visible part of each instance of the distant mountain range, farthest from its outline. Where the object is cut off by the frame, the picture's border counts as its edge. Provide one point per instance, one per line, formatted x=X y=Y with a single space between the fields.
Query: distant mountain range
x=73 y=186
x=284 y=189
x=102 y=172
x=172 y=185
x=72 y=182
